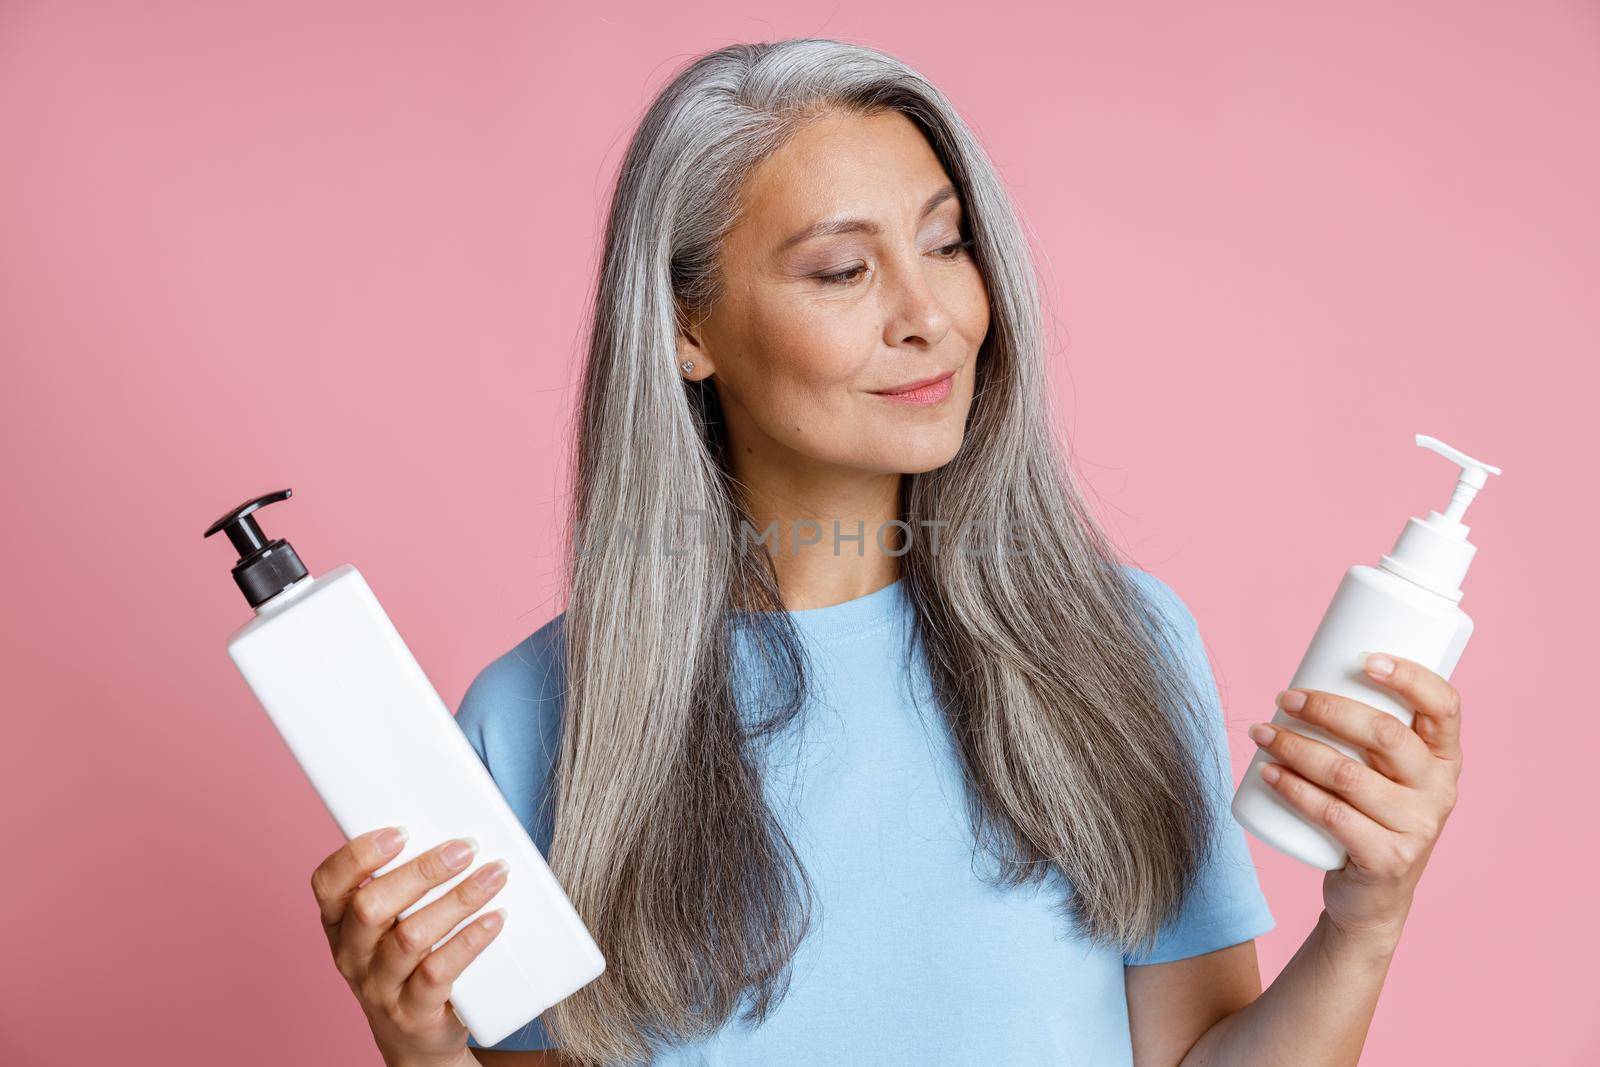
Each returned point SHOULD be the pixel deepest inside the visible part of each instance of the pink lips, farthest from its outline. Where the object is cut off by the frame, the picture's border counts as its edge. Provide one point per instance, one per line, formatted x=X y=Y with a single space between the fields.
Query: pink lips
x=923 y=393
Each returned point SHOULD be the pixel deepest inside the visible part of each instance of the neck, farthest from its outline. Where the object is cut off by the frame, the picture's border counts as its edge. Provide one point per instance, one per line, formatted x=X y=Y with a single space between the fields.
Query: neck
x=829 y=538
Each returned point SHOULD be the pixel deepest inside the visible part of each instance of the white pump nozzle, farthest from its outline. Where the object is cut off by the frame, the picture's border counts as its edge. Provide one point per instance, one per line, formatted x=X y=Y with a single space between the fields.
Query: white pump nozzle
x=1473 y=475
x=1434 y=552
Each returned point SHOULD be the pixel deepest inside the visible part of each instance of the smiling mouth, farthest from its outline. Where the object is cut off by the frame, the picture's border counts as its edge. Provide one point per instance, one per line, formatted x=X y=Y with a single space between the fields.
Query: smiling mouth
x=929 y=391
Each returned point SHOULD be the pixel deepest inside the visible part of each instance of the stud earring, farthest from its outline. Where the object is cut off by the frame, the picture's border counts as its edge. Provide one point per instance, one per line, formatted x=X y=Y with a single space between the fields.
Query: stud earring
x=687 y=365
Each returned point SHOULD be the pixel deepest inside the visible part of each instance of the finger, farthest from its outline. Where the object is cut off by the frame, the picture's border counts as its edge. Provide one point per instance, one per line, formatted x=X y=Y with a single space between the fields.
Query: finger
x=1375 y=796
x=1434 y=702
x=1362 y=838
x=415 y=936
x=336 y=878
x=374 y=906
x=429 y=985
x=1394 y=749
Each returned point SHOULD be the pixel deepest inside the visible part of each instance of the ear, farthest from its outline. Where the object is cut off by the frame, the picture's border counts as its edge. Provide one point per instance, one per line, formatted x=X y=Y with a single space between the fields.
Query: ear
x=691 y=348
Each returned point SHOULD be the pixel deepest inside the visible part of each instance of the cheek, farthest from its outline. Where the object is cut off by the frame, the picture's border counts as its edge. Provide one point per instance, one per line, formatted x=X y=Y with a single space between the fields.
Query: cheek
x=821 y=345
x=969 y=308
x=804 y=359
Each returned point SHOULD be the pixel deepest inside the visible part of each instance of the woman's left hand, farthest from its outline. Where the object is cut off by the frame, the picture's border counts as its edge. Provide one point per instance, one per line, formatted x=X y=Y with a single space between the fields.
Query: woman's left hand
x=1387 y=815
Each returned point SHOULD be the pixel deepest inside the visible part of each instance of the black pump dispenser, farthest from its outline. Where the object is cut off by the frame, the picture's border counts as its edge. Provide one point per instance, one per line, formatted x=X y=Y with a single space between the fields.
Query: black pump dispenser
x=265 y=568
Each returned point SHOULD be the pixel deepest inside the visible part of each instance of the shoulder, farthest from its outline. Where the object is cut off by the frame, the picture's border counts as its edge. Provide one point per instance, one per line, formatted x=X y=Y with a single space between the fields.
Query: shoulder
x=511 y=714
x=1181 y=648
x=1163 y=598
x=1226 y=905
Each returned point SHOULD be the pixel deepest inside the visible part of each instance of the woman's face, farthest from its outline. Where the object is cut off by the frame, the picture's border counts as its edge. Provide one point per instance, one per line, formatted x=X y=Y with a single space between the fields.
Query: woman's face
x=845 y=276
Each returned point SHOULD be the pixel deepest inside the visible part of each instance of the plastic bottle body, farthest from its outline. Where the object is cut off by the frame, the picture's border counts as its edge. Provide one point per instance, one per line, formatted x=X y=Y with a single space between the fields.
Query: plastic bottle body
x=1373 y=610
x=380 y=748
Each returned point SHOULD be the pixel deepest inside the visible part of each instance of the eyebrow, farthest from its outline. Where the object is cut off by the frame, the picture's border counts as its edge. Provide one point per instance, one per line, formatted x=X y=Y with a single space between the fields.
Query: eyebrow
x=829 y=227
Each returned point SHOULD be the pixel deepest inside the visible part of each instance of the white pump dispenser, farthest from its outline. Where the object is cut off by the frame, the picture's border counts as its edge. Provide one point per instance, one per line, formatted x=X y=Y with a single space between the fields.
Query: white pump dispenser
x=1408 y=606
x=1434 y=552
x=381 y=749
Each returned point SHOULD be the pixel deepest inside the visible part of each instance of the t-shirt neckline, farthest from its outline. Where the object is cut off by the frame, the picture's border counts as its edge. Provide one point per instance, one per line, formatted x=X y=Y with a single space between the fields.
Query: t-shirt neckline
x=850 y=616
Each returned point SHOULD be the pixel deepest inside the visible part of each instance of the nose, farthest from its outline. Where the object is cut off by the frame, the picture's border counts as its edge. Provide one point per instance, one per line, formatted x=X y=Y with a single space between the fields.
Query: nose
x=915 y=312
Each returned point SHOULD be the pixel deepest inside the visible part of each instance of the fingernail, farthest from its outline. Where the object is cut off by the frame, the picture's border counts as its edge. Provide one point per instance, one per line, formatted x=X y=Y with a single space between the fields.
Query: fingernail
x=1262 y=733
x=492 y=921
x=491 y=874
x=457 y=853
x=1379 y=665
x=391 y=839
x=1291 y=700
x=1270 y=771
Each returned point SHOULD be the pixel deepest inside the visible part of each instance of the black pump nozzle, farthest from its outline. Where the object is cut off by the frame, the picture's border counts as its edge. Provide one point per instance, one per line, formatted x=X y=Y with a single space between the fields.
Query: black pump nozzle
x=265 y=568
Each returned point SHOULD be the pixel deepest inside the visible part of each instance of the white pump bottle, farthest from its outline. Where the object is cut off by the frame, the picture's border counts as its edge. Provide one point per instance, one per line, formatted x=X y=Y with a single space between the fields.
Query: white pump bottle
x=381 y=749
x=1407 y=605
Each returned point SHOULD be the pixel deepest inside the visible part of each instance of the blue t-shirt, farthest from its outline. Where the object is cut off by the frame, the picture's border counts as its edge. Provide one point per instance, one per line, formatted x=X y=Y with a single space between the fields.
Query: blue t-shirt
x=911 y=958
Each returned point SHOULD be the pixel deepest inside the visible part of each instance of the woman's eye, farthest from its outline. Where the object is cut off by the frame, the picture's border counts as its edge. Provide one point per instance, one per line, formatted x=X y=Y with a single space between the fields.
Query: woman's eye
x=843 y=276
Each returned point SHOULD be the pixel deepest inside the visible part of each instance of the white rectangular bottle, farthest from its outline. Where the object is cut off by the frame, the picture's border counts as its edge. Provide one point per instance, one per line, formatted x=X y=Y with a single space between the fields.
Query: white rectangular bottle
x=1407 y=606
x=381 y=749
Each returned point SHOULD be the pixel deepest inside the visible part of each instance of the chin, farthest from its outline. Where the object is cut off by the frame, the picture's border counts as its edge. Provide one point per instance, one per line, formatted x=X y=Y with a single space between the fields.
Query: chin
x=928 y=456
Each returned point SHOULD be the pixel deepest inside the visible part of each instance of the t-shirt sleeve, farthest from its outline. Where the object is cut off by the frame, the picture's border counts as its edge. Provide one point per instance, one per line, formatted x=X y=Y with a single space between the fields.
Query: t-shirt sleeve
x=1226 y=905
x=511 y=715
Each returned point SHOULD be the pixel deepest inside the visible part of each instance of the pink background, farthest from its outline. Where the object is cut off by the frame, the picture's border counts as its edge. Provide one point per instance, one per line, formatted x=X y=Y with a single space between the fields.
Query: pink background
x=346 y=248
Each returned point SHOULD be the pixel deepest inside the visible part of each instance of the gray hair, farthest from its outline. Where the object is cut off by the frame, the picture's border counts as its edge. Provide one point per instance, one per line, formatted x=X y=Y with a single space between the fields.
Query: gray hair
x=1058 y=680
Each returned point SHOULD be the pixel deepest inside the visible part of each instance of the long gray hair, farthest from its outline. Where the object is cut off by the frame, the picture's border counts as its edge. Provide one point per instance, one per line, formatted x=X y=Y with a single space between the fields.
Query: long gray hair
x=1058 y=680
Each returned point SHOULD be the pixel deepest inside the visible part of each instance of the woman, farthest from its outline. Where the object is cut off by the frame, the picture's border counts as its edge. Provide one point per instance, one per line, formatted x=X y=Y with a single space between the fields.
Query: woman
x=822 y=784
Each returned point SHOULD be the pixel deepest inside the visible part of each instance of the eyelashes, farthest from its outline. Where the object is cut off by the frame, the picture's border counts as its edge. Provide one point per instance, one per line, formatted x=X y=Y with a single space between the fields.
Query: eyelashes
x=845 y=277
x=842 y=277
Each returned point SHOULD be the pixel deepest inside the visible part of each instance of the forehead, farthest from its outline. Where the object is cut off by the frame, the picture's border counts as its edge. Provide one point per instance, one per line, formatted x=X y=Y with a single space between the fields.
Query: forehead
x=878 y=166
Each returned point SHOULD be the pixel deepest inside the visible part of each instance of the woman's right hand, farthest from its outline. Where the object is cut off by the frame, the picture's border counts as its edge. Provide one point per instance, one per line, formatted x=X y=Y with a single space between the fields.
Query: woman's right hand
x=401 y=980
